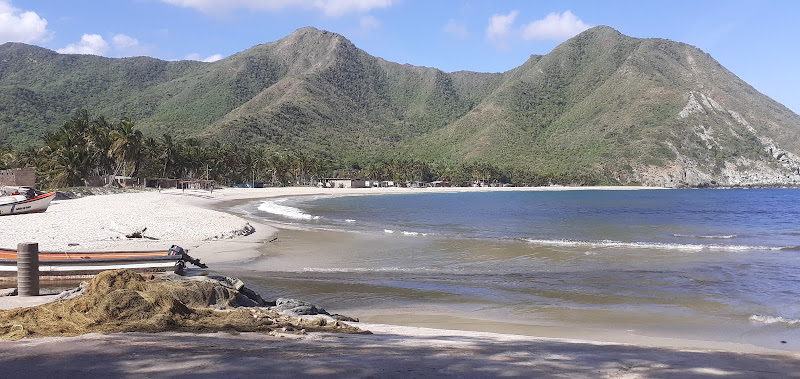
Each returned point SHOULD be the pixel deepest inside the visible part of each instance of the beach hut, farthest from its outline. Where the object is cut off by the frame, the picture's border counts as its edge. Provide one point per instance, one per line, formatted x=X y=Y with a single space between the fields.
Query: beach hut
x=18 y=177
x=344 y=183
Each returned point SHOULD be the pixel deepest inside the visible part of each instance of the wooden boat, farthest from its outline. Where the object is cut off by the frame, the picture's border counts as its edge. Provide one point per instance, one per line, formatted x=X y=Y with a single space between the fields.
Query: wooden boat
x=77 y=264
x=19 y=204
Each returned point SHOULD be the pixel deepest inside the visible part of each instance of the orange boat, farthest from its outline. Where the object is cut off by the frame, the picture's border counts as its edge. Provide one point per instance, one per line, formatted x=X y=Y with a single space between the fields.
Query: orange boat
x=74 y=264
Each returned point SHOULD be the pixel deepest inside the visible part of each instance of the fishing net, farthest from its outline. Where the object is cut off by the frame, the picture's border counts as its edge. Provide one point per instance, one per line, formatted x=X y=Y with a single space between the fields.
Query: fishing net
x=123 y=301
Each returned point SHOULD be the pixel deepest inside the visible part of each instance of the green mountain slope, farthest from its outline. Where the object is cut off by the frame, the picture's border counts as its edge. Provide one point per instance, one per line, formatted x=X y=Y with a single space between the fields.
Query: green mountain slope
x=612 y=104
x=634 y=110
x=337 y=99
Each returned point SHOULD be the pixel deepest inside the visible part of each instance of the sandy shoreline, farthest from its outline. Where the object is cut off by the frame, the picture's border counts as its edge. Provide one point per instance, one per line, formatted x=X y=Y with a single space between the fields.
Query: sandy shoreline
x=192 y=219
x=197 y=221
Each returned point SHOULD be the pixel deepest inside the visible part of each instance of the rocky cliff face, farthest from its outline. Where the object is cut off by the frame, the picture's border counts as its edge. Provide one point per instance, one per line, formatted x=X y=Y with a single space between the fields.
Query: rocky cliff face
x=765 y=164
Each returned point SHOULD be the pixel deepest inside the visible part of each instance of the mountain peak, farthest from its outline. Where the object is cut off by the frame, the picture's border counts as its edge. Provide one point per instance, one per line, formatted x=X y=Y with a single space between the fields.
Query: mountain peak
x=310 y=37
x=599 y=32
x=628 y=109
x=312 y=32
x=604 y=29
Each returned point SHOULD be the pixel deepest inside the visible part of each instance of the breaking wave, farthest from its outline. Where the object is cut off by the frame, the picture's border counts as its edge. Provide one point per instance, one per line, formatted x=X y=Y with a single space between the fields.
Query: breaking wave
x=273 y=207
x=352 y=269
x=648 y=245
x=405 y=233
x=710 y=237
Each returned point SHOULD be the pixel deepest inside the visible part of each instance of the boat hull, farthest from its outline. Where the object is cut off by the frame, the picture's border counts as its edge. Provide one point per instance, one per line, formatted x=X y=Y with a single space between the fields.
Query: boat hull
x=72 y=264
x=13 y=205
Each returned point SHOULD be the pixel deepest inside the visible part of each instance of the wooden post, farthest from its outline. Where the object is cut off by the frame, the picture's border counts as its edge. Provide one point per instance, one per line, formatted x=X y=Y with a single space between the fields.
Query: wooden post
x=28 y=269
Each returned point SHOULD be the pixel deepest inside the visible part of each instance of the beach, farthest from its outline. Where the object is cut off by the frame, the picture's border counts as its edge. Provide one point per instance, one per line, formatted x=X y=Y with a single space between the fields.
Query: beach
x=200 y=222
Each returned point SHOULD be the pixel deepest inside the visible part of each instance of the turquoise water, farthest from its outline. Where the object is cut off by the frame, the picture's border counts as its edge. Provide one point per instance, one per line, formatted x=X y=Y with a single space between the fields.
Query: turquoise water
x=710 y=264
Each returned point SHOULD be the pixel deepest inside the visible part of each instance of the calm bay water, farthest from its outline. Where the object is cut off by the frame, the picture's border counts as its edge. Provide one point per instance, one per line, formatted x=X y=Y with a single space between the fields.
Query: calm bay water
x=711 y=264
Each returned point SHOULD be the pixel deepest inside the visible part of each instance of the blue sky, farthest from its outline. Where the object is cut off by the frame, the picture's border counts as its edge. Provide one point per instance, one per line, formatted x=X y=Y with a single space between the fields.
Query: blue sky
x=756 y=40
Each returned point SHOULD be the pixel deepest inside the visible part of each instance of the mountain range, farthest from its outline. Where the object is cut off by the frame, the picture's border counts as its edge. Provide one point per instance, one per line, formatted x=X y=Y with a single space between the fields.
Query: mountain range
x=637 y=111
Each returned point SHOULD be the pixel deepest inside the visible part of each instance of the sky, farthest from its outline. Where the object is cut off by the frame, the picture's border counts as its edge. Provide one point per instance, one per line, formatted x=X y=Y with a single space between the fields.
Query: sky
x=759 y=41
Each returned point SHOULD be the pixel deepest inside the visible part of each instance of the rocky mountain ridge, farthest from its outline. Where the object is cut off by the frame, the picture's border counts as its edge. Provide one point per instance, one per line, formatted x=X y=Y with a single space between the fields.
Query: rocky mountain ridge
x=648 y=111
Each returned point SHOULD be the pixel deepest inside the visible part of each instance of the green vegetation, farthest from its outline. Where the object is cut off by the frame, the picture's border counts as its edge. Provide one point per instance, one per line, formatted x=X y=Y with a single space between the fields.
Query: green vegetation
x=599 y=106
x=85 y=146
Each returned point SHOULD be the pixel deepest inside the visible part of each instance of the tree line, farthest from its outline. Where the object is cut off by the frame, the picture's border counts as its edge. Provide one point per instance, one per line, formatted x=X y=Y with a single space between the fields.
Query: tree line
x=87 y=146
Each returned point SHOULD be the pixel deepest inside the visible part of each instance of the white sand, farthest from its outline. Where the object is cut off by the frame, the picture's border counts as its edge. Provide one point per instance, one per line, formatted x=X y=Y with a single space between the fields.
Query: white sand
x=392 y=352
x=188 y=219
x=100 y=223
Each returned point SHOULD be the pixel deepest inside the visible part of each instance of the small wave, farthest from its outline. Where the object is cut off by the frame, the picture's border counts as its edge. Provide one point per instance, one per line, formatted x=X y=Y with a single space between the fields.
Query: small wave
x=350 y=220
x=414 y=234
x=647 y=245
x=352 y=269
x=774 y=319
x=405 y=233
x=272 y=206
x=711 y=237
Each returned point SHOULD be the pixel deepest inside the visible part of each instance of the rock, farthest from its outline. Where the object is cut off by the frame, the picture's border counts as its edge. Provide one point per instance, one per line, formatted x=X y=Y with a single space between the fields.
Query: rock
x=245 y=297
x=339 y=317
x=294 y=308
x=72 y=293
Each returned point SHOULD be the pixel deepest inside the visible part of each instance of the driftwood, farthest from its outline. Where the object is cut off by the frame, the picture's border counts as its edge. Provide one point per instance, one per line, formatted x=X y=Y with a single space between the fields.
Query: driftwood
x=137 y=234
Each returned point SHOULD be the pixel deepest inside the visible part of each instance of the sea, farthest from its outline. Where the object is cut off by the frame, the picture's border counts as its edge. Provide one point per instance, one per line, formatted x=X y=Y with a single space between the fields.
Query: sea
x=719 y=265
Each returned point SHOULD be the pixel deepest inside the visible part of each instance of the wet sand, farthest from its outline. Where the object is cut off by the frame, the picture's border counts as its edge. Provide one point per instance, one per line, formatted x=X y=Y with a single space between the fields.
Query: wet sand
x=393 y=351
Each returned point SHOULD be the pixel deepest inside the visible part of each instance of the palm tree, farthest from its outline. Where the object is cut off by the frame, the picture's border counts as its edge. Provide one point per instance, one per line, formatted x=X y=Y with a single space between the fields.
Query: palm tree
x=98 y=142
x=71 y=167
x=169 y=153
x=9 y=159
x=126 y=146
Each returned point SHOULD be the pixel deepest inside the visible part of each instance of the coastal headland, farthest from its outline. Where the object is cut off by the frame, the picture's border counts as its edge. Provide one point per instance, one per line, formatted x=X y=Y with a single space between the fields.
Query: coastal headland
x=198 y=221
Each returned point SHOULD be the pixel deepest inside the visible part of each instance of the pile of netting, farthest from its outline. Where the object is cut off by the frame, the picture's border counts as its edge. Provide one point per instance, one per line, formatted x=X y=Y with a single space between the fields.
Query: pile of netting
x=123 y=301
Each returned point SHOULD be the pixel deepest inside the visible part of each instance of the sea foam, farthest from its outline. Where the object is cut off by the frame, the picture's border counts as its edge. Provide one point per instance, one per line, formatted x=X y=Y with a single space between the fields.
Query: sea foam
x=774 y=319
x=648 y=245
x=273 y=206
x=709 y=237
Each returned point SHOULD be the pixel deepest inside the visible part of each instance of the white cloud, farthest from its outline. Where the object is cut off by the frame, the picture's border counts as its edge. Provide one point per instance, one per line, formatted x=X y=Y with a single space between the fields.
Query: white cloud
x=336 y=8
x=89 y=44
x=121 y=45
x=554 y=27
x=127 y=46
x=18 y=26
x=499 y=29
x=455 y=28
x=124 y=42
x=196 y=57
x=332 y=8
x=370 y=23
x=213 y=58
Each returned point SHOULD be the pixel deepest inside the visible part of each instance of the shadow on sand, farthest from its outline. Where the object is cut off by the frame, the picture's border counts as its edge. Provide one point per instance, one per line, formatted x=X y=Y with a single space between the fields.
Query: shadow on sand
x=381 y=355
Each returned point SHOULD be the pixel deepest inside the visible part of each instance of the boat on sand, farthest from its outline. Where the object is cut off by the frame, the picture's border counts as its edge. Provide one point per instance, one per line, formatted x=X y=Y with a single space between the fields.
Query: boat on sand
x=78 y=264
x=25 y=203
